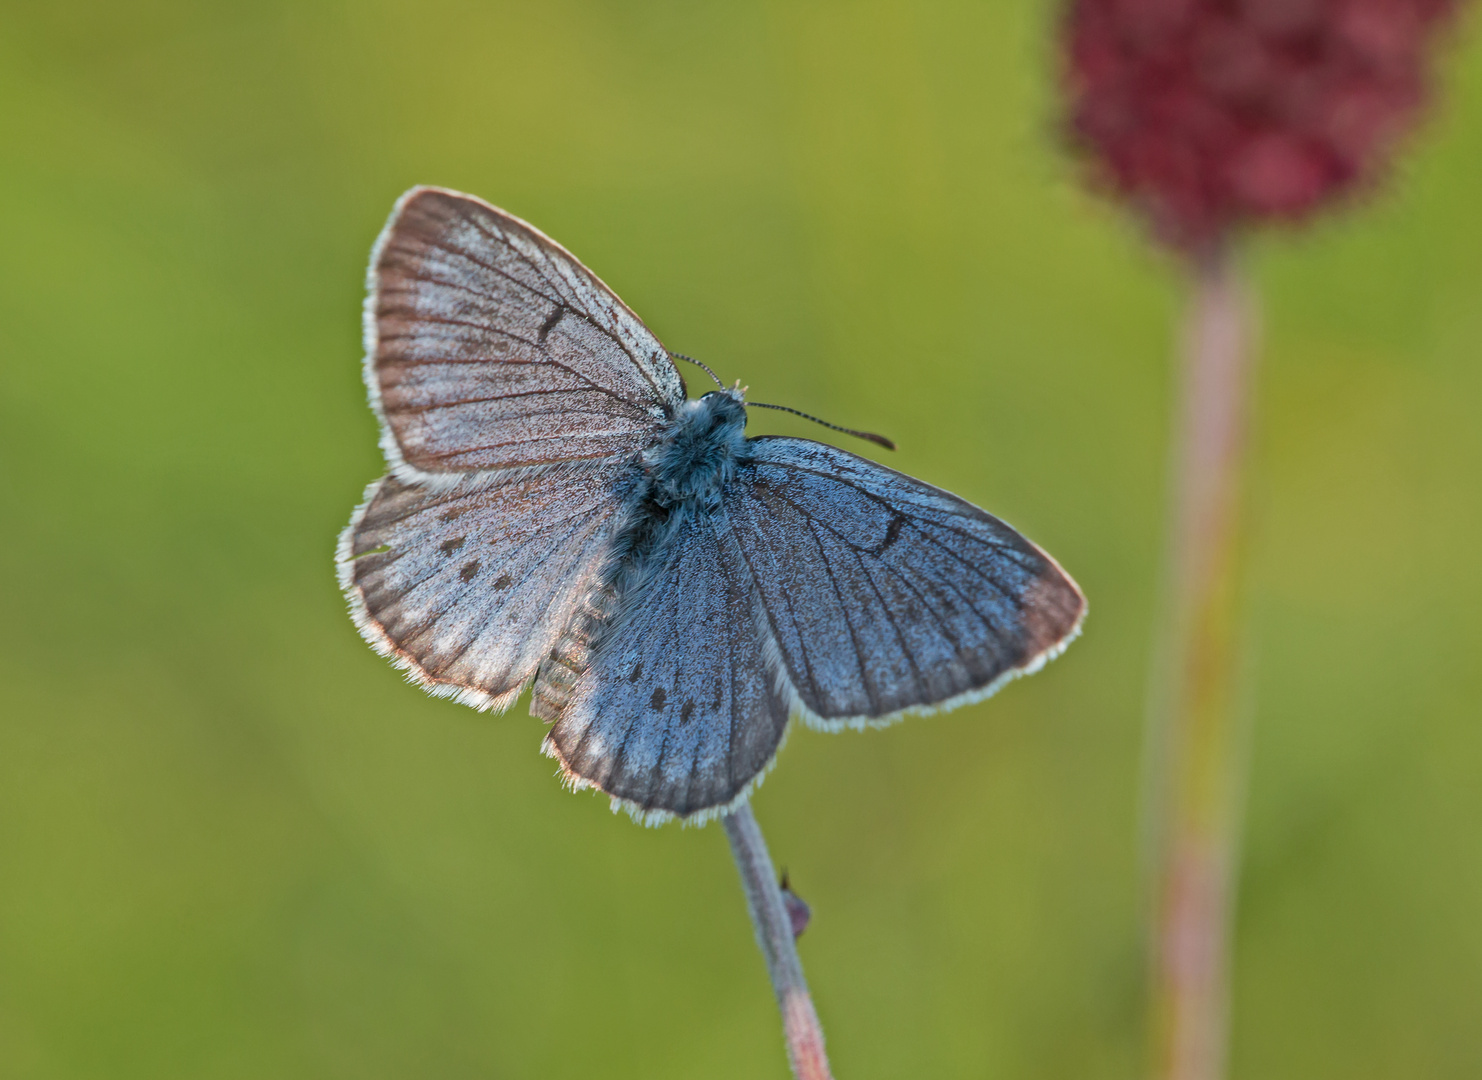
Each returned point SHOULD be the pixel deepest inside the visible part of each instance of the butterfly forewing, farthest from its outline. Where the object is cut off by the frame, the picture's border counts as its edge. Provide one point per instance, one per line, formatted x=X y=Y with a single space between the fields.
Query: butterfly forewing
x=673 y=709
x=470 y=586
x=883 y=593
x=489 y=346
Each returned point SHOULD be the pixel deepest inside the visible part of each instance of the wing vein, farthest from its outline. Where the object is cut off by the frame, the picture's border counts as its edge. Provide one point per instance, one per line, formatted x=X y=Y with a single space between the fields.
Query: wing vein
x=859 y=657
x=580 y=312
x=492 y=268
x=433 y=406
x=896 y=509
x=894 y=626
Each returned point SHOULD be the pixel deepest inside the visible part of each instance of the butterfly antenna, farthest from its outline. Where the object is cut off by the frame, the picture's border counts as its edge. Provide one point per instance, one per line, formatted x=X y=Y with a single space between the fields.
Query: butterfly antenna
x=868 y=436
x=699 y=364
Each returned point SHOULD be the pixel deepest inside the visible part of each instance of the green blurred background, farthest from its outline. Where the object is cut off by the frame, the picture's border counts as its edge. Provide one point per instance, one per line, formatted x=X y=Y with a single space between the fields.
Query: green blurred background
x=233 y=843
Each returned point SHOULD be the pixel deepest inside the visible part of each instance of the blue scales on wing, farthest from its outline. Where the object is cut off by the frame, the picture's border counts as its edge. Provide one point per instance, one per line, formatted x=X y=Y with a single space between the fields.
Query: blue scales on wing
x=820 y=582
x=884 y=594
x=663 y=698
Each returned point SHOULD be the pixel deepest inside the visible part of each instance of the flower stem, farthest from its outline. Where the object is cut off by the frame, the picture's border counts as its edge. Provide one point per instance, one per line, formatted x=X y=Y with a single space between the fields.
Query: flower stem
x=800 y=1025
x=1197 y=732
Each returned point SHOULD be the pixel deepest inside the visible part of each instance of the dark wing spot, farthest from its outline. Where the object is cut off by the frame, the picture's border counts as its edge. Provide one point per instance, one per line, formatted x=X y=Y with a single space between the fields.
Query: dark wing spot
x=636 y=673
x=719 y=693
x=550 y=323
x=447 y=547
x=657 y=701
x=503 y=582
x=892 y=534
x=455 y=513
x=469 y=570
x=684 y=713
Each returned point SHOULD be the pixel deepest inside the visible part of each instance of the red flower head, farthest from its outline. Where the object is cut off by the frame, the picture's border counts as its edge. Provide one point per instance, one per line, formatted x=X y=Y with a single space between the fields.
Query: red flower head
x=1210 y=114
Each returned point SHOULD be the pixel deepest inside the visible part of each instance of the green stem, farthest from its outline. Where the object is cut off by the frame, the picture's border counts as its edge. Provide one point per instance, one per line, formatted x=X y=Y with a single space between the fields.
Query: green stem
x=800 y=1025
x=1197 y=730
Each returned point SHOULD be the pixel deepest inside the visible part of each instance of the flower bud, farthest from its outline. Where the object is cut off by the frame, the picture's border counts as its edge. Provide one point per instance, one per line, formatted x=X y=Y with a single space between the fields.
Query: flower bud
x=1208 y=115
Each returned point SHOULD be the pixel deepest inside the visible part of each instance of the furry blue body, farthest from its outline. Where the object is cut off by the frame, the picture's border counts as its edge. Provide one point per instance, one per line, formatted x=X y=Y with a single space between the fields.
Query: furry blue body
x=697 y=454
x=680 y=477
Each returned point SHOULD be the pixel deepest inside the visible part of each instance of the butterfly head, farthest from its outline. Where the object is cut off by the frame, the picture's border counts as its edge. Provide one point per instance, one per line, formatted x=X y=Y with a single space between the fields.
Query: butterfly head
x=736 y=393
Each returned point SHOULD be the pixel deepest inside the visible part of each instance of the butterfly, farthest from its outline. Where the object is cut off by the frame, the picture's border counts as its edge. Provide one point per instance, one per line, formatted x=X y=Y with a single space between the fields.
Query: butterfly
x=557 y=512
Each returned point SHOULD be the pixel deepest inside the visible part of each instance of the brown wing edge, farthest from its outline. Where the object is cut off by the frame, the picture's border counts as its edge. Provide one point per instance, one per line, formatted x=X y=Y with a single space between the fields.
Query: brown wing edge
x=370 y=336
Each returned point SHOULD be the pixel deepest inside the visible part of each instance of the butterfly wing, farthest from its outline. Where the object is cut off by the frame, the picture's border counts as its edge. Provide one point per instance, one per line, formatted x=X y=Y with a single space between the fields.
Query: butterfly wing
x=884 y=594
x=489 y=346
x=468 y=587
x=670 y=705
x=824 y=582
x=511 y=384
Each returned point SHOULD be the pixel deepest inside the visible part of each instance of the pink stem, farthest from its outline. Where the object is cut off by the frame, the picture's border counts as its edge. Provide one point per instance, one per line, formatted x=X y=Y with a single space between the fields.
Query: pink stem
x=1197 y=733
x=769 y=915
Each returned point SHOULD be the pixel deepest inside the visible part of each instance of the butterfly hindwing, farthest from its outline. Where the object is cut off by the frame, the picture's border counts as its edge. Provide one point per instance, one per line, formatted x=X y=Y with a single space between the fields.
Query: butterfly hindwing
x=670 y=705
x=489 y=346
x=469 y=587
x=885 y=594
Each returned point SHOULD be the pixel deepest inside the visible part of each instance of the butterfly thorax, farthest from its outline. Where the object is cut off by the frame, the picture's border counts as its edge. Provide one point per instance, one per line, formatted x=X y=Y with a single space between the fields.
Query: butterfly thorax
x=697 y=453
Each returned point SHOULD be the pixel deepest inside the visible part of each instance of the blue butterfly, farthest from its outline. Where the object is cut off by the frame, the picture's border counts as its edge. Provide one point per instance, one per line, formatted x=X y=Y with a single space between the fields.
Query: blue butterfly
x=556 y=511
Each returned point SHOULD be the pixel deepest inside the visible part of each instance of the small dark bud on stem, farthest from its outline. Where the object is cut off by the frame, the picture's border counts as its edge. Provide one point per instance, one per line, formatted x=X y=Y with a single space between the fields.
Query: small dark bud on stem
x=798 y=911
